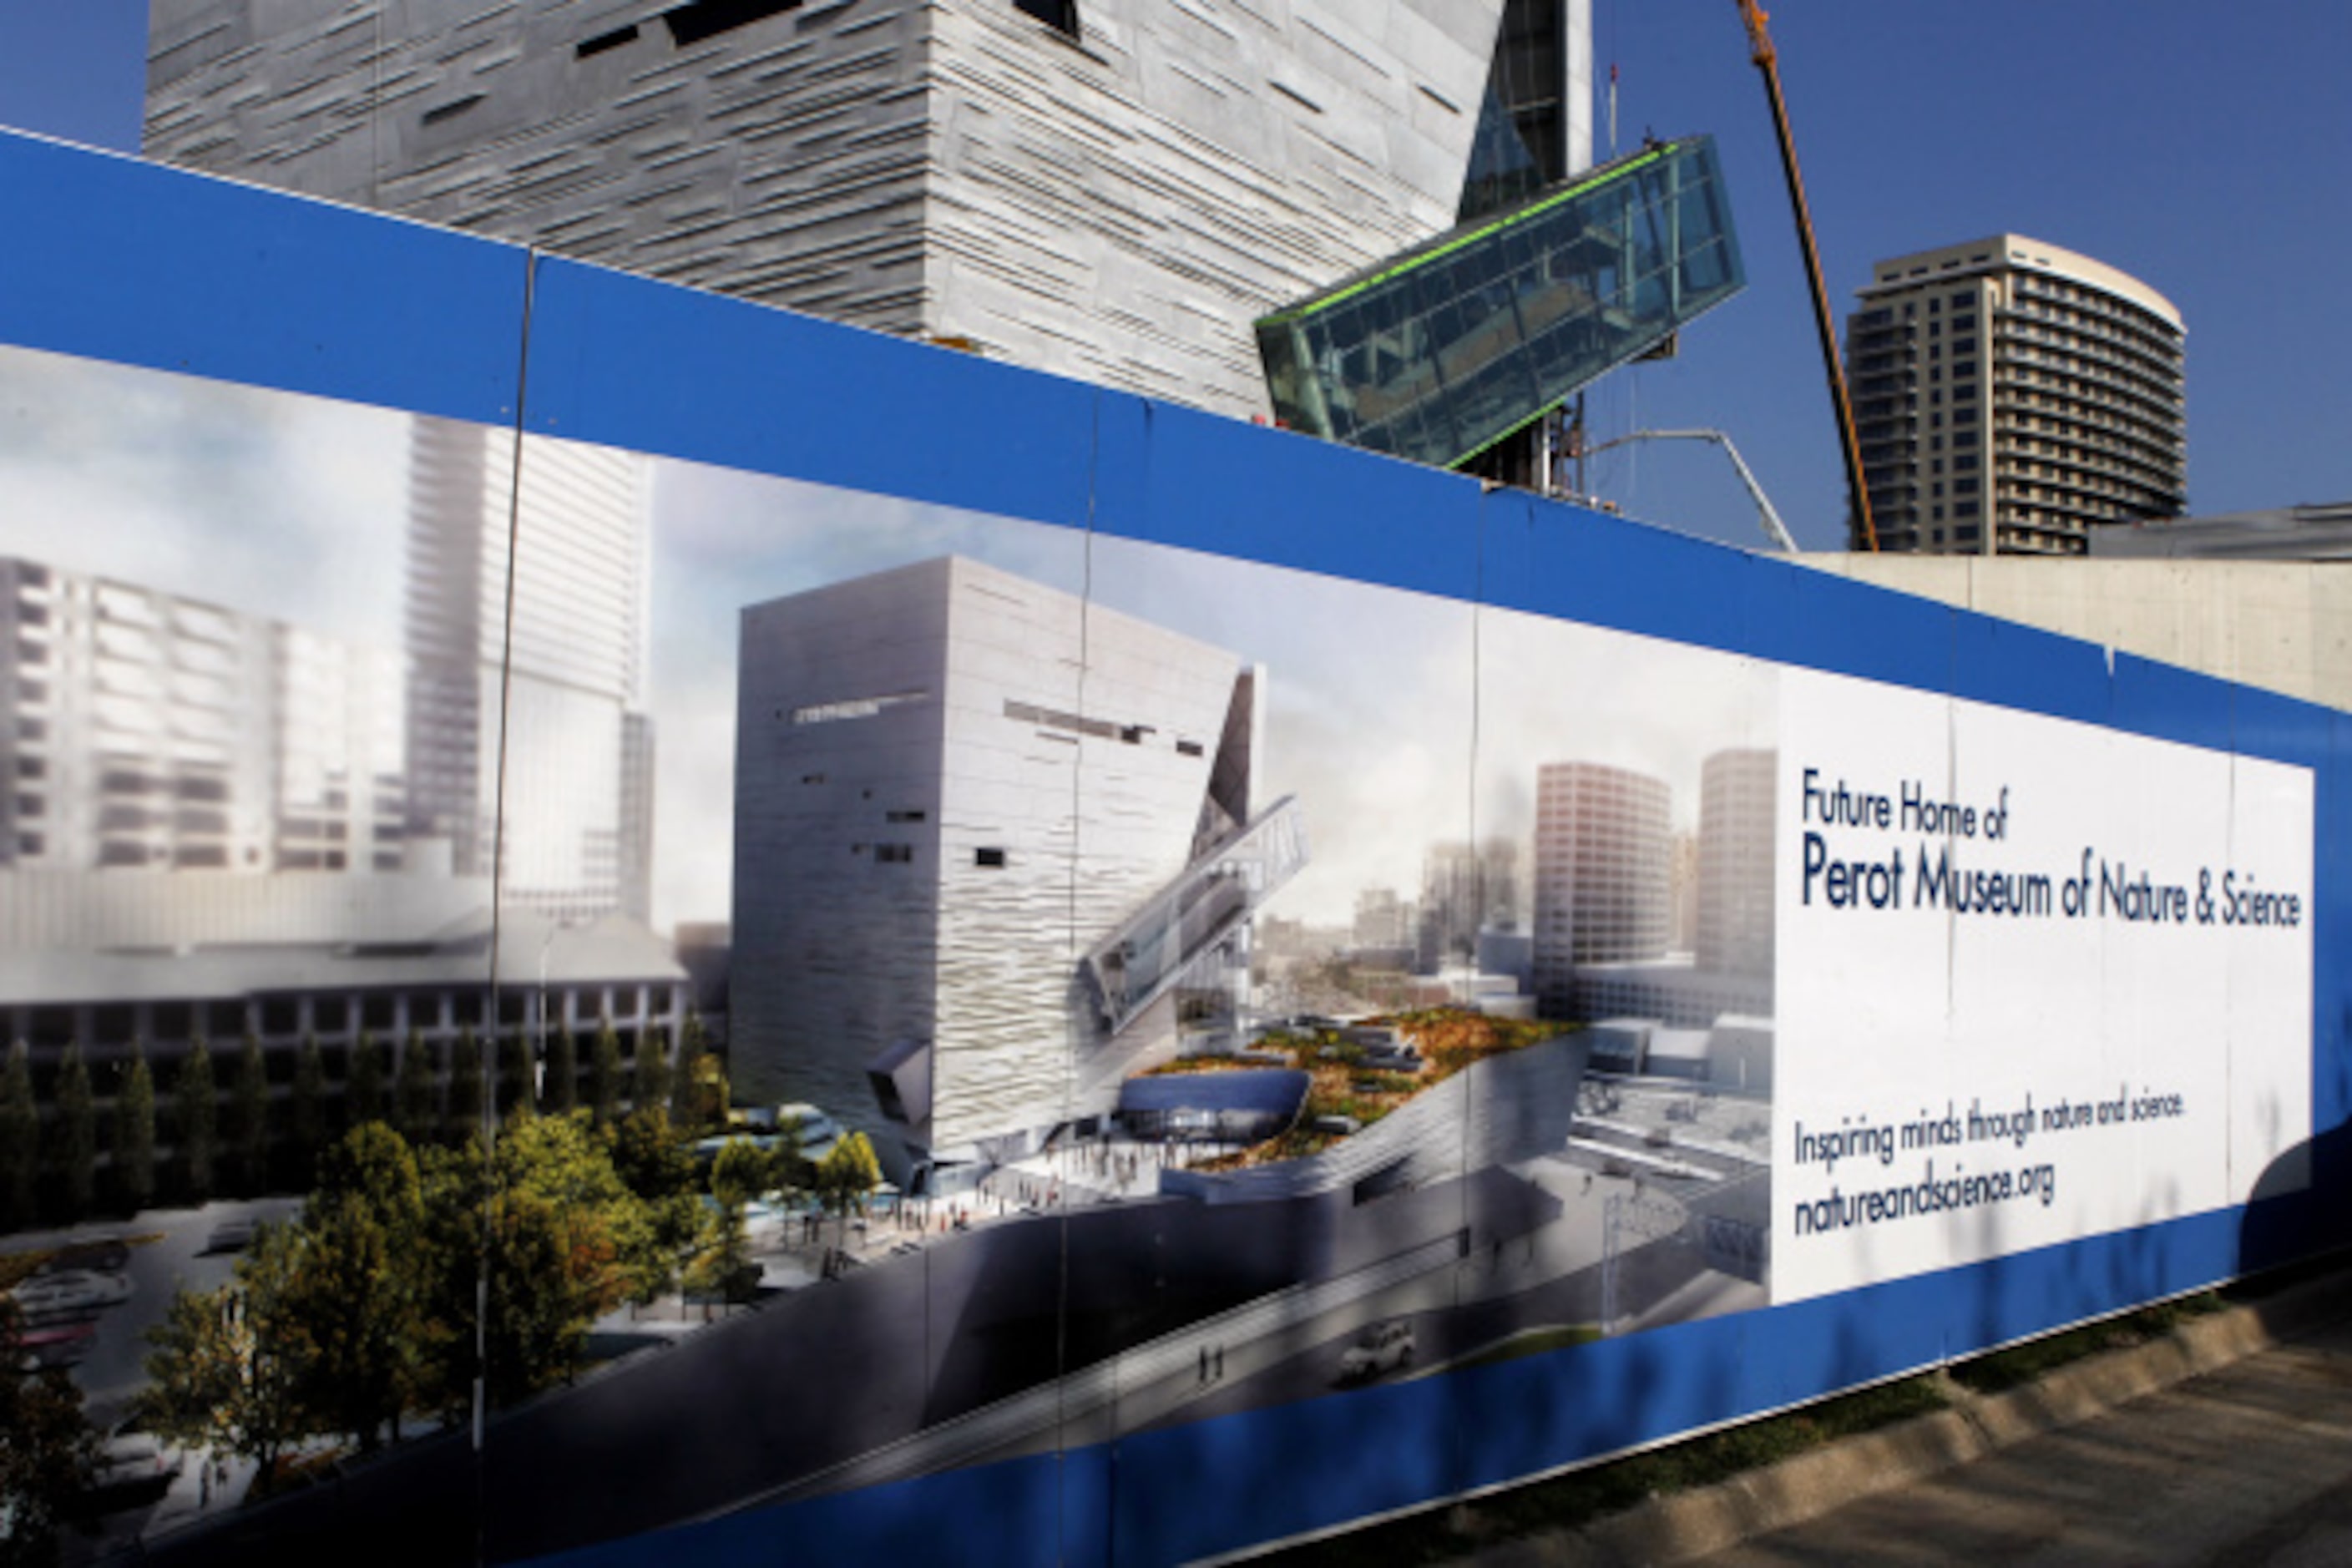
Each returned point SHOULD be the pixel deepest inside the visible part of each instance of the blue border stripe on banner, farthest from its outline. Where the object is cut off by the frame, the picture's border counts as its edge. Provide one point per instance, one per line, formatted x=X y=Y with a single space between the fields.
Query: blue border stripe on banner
x=2282 y=728
x=2026 y=668
x=1824 y=621
x=115 y=260
x=1550 y=558
x=1287 y=1470
x=777 y=393
x=2169 y=703
x=1285 y=500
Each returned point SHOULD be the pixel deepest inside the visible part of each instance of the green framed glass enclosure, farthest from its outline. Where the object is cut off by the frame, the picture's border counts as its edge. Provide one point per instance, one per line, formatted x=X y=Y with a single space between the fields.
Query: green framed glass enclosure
x=1439 y=352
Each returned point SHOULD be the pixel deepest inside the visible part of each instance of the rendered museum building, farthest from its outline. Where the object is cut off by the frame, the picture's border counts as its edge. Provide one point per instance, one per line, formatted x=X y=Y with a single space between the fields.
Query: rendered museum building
x=996 y=849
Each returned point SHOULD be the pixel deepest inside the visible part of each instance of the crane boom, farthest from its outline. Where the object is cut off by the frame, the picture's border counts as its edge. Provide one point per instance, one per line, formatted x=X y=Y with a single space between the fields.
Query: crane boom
x=1768 y=60
x=1774 y=528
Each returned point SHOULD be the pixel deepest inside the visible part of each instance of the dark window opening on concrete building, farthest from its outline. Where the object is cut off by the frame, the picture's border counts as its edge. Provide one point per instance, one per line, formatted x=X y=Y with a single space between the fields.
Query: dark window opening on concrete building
x=691 y=23
x=588 y=49
x=451 y=109
x=1061 y=16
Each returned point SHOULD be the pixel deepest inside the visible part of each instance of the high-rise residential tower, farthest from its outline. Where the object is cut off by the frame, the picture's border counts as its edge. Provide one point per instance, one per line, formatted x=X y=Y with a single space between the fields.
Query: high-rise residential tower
x=1603 y=870
x=148 y=730
x=2010 y=396
x=577 y=753
x=1735 y=793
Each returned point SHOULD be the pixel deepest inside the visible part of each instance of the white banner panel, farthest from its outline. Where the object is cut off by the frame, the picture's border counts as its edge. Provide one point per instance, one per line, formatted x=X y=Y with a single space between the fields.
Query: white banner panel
x=2036 y=981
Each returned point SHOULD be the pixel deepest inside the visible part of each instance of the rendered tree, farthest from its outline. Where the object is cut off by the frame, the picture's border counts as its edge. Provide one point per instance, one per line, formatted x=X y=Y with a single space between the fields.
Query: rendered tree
x=539 y=1319
x=704 y=1083
x=516 y=1094
x=651 y=1086
x=722 y=1264
x=465 y=1117
x=740 y=1174
x=74 y=1135
x=685 y=1096
x=566 y=1242
x=788 y=1160
x=725 y=1268
x=413 y=1091
x=307 y=1114
x=134 y=1133
x=228 y=1365
x=560 y=1092
x=363 y=1083
x=357 y=1306
x=196 y=1113
x=655 y=1166
x=845 y=1176
x=648 y=1157
x=605 y=1074
x=20 y=1143
x=47 y=1450
x=248 y=1129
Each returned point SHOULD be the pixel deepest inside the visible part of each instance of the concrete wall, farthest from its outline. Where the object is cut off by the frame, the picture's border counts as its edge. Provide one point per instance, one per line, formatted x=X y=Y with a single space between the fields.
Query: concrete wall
x=2284 y=626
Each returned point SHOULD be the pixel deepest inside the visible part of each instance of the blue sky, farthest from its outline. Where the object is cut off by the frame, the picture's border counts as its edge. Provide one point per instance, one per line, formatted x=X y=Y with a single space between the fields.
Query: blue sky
x=2207 y=149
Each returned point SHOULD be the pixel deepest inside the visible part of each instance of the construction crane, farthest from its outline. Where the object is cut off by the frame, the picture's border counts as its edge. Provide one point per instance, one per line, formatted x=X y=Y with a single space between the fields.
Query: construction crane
x=1774 y=528
x=1768 y=60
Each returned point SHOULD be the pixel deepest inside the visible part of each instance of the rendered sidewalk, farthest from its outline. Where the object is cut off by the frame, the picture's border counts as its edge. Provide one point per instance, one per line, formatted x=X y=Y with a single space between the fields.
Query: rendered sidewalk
x=2227 y=1441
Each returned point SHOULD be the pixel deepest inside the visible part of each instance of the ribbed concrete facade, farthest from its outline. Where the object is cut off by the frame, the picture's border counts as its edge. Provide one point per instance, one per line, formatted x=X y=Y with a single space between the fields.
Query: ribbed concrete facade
x=1117 y=206
x=949 y=782
x=2010 y=396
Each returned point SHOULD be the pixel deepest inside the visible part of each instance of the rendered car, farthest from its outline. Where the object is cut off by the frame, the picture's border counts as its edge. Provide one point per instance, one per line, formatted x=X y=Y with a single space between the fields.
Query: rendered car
x=132 y=1458
x=93 y=1254
x=230 y=1235
x=1384 y=1348
x=57 y=1295
x=57 y=1344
